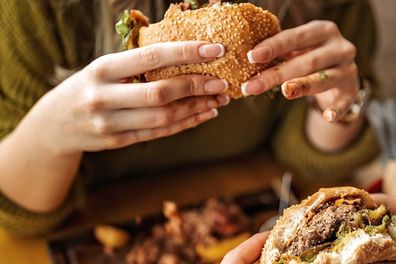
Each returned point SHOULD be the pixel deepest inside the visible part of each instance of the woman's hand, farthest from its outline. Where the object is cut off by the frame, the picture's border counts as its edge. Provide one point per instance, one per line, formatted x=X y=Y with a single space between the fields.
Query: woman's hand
x=96 y=110
x=248 y=252
x=319 y=62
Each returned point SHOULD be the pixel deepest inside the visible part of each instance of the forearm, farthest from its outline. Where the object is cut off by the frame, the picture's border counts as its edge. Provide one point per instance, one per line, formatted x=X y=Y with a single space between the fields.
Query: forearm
x=330 y=137
x=32 y=176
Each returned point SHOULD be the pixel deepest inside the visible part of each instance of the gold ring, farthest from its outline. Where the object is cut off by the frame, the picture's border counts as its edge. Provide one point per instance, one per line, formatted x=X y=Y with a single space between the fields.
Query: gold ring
x=323 y=75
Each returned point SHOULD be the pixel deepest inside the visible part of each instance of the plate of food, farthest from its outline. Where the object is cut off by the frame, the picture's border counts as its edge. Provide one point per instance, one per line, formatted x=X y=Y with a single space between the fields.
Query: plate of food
x=199 y=233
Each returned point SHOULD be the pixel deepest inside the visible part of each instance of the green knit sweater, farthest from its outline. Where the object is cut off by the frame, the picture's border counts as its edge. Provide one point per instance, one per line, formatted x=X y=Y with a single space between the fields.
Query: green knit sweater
x=38 y=36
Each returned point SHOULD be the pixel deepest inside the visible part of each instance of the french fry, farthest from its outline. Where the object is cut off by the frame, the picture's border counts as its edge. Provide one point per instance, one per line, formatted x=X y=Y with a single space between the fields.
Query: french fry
x=216 y=252
x=111 y=237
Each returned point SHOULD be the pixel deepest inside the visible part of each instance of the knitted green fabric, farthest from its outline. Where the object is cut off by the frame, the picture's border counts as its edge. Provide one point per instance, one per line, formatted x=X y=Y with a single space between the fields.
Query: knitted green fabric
x=36 y=36
x=313 y=164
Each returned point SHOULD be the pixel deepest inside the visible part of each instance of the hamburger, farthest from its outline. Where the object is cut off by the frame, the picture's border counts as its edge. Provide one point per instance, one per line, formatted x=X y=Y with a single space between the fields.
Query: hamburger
x=335 y=225
x=239 y=27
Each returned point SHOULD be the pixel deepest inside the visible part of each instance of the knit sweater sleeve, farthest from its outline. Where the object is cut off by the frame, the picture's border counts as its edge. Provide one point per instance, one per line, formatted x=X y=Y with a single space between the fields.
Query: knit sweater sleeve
x=28 y=52
x=36 y=38
x=30 y=47
x=292 y=147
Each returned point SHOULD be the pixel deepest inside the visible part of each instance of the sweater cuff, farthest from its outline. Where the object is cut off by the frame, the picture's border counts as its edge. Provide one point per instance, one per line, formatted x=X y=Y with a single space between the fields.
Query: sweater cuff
x=293 y=149
x=23 y=222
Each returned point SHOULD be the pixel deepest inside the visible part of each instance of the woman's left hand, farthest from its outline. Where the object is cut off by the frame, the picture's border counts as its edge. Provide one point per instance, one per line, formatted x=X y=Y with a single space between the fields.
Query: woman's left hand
x=248 y=252
x=319 y=62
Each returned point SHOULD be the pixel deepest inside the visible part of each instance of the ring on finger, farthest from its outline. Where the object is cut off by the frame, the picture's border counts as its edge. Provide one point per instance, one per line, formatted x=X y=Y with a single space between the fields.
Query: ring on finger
x=323 y=75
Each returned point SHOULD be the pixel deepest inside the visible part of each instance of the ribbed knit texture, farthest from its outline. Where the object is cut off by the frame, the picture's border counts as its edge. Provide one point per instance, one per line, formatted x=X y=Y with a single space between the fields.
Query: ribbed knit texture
x=22 y=222
x=38 y=35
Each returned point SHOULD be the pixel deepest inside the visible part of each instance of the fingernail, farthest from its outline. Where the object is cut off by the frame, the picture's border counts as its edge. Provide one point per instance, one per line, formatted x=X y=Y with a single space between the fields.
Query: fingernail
x=223 y=99
x=259 y=55
x=215 y=112
x=216 y=86
x=212 y=50
x=330 y=115
x=291 y=90
x=252 y=88
x=250 y=57
x=244 y=89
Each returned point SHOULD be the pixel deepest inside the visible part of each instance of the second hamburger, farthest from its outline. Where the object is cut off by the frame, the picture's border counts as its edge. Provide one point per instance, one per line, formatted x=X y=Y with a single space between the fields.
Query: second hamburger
x=340 y=225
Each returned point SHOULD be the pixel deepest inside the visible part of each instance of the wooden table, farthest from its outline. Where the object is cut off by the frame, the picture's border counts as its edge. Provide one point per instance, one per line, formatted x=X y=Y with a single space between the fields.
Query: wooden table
x=124 y=201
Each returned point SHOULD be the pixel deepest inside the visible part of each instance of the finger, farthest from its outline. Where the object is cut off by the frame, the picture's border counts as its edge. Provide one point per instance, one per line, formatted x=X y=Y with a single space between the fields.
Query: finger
x=248 y=252
x=137 y=61
x=318 y=82
x=145 y=118
x=337 y=110
x=161 y=92
x=310 y=62
x=287 y=41
x=388 y=200
x=337 y=101
x=297 y=53
x=131 y=137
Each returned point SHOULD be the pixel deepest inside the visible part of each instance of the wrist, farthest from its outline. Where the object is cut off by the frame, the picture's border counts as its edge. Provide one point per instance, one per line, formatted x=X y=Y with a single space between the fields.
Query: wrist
x=32 y=176
x=330 y=137
x=29 y=135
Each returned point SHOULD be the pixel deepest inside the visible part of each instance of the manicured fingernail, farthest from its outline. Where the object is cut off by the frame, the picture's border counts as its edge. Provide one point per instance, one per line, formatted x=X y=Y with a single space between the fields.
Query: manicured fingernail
x=216 y=86
x=253 y=87
x=215 y=112
x=226 y=84
x=259 y=55
x=244 y=89
x=330 y=115
x=291 y=90
x=250 y=57
x=212 y=50
x=223 y=99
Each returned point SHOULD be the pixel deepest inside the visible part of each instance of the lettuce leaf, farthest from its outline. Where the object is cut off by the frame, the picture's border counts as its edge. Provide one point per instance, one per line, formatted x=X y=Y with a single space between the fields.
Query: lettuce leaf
x=124 y=27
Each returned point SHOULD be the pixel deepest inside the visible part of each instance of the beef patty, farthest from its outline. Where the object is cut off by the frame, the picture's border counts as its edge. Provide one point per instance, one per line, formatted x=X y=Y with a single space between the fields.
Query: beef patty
x=322 y=227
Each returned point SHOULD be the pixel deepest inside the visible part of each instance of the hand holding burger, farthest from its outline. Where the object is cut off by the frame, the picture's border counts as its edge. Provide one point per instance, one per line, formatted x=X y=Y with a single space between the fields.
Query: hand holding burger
x=318 y=61
x=238 y=27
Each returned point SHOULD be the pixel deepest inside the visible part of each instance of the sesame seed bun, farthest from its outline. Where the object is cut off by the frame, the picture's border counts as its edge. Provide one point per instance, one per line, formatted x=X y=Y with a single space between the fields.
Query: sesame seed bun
x=356 y=247
x=239 y=27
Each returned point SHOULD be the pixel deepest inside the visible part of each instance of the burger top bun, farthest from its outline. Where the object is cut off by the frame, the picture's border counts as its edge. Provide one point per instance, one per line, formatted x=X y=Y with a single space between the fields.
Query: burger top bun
x=362 y=248
x=239 y=27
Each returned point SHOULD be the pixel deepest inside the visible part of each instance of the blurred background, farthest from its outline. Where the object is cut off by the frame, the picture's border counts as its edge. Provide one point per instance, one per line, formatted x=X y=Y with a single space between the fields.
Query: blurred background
x=386 y=57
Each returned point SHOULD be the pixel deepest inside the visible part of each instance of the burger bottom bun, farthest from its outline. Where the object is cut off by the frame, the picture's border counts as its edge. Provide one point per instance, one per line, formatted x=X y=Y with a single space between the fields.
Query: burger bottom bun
x=362 y=248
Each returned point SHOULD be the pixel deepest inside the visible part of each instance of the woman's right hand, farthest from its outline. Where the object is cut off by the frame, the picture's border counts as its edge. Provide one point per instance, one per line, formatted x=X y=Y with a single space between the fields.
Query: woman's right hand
x=388 y=200
x=95 y=109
